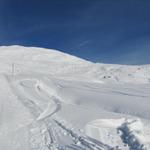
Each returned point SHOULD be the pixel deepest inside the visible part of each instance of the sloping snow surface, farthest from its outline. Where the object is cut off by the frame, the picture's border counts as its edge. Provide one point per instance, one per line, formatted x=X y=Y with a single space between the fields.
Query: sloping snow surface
x=50 y=100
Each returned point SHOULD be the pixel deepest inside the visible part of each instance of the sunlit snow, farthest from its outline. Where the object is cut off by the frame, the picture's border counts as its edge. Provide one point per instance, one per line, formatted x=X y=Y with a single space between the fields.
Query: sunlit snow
x=50 y=100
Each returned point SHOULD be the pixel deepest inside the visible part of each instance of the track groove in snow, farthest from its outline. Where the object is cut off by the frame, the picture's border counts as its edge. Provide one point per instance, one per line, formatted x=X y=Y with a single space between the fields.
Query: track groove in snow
x=44 y=131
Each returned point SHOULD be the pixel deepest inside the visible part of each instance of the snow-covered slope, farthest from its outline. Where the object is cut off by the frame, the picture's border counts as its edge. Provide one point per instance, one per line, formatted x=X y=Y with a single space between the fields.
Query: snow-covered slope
x=57 y=63
x=52 y=100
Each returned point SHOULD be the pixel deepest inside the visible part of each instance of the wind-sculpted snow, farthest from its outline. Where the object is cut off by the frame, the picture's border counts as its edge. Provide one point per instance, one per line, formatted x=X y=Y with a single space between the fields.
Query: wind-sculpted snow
x=129 y=133
x=132 y=134
x=50 y=100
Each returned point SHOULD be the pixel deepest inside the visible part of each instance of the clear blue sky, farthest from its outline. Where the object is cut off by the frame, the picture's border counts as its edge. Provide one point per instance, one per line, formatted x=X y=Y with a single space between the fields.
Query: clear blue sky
x=109 y=31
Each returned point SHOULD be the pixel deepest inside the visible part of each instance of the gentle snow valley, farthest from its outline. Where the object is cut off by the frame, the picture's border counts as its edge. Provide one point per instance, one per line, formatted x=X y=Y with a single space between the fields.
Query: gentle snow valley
x=50 y=100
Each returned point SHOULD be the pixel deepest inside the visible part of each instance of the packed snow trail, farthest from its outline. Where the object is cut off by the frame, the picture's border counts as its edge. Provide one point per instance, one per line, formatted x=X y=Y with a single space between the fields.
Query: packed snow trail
x=45 y=131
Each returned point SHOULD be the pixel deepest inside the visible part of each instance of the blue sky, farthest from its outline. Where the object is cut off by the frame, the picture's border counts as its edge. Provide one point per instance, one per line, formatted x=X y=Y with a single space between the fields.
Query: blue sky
x=108 y=31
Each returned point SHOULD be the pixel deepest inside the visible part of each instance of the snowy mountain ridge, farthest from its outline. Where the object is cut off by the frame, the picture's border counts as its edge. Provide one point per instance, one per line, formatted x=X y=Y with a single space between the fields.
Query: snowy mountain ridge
x=65 y=64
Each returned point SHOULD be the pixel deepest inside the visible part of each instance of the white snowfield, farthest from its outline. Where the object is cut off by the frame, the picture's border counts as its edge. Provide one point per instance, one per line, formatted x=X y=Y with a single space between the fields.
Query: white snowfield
x=50 y=100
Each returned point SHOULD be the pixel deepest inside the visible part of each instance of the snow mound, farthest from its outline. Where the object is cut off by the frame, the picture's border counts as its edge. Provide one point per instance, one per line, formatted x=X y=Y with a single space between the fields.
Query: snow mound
x=122 y=133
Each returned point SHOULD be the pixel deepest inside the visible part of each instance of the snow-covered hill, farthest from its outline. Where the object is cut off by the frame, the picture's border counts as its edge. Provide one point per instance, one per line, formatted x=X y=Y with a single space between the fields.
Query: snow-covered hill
x=52 y=100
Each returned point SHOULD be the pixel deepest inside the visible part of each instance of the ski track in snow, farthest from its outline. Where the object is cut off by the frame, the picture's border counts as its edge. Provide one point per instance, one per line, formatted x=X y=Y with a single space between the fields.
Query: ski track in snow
x=47 y=133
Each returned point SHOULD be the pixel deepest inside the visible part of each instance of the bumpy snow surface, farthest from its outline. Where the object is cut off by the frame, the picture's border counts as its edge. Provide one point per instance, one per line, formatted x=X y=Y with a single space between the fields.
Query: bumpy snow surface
x=54 y=101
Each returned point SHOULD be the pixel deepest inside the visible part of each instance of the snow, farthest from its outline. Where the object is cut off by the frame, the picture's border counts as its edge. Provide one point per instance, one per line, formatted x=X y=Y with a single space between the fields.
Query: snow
x=120 y=131
x=52 y=100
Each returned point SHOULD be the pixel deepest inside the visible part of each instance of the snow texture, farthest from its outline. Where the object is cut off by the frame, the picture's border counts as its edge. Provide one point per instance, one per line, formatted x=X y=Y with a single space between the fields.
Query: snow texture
x=50 y=100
